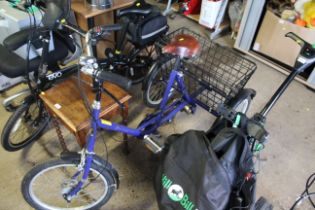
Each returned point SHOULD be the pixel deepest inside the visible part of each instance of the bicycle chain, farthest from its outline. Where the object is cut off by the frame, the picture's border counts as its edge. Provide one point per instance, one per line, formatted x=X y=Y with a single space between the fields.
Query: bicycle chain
x=60 y=136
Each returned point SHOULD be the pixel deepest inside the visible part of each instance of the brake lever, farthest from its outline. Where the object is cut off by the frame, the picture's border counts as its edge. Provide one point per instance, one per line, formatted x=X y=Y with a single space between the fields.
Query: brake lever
x=306 y=55
x=296 y=38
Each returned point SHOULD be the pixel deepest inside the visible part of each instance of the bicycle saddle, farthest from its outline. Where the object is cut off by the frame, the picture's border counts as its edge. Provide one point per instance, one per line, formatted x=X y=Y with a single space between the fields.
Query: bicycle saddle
x=138 y=8
x=182 y=45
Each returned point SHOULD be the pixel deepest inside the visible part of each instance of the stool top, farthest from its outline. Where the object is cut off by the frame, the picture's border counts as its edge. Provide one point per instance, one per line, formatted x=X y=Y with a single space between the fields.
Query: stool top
x=64 y=101
x=183 y=45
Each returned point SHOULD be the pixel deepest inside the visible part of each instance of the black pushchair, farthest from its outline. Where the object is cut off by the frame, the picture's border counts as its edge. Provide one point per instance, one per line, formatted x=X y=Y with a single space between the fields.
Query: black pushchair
x=215 y=170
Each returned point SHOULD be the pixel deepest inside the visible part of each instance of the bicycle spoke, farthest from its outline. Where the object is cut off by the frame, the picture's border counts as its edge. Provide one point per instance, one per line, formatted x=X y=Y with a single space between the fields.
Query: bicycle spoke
x=30 y=121
x=86 y=196
x=17 y=136
x=95 y=188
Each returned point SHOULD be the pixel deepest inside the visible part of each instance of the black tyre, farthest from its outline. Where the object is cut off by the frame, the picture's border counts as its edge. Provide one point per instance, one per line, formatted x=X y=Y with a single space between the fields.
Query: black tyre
x=241 y=102
x=155 y=84
x=24 y=126
x=43 y=186
x=262 y=204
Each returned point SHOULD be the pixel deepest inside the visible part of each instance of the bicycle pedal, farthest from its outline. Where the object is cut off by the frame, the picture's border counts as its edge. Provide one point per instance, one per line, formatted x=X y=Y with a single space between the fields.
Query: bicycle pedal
x=154 y=143
x=188 y=109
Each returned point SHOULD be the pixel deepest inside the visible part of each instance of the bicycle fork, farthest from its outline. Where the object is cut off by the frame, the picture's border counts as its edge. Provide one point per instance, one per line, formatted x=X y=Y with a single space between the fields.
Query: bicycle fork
x=86 y=156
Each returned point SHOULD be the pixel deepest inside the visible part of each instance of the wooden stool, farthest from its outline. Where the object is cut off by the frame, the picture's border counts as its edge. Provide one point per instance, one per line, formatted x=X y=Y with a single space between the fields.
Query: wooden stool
x=64 y=102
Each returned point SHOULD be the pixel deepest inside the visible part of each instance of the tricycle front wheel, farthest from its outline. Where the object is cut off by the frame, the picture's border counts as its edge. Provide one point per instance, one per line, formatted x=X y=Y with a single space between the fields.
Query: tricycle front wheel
x=45 y=185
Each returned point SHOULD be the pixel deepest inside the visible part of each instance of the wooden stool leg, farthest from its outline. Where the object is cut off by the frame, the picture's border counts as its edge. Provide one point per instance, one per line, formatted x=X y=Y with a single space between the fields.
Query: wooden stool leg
x=124 y=115
x=82 y=137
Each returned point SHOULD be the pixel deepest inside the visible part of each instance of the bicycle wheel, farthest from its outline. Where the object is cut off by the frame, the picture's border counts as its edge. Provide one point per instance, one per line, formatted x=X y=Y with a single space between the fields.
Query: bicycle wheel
x=24 y=126
x=242 y=101
x=43 y=187
x=156 y=81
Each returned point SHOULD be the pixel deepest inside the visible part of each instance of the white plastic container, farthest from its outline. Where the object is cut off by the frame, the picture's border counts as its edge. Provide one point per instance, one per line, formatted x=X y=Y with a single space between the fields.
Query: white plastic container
x=209 y=12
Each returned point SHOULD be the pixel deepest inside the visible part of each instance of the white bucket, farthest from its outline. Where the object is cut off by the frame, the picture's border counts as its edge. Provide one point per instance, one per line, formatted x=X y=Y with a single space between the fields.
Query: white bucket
x=209 y=12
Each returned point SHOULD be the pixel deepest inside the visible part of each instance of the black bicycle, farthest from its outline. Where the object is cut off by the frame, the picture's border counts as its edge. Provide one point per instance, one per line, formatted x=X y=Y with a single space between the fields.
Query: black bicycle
x=135 y=50
x=29 y=119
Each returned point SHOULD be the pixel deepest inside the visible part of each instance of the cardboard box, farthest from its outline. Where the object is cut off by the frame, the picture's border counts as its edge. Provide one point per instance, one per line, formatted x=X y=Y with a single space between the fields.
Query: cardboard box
x=271 y=40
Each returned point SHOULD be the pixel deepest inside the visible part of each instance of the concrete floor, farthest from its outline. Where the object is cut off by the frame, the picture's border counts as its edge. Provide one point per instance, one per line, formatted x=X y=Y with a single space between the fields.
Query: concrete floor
x=288 y=157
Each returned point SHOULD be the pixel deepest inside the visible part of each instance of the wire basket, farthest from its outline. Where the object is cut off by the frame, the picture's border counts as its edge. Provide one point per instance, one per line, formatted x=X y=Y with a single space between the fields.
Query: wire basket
x=216 y=75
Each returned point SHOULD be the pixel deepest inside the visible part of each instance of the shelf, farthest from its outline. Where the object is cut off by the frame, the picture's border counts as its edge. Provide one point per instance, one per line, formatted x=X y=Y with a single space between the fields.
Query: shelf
x=195 y=17
x=87 y=11
x=217 y=30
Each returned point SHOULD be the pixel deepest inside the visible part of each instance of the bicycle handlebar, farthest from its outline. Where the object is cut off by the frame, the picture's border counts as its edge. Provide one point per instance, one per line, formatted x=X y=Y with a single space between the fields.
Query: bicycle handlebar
x=106 y=28
x=90 y=67
x=305 y=59
x=121 y=81
x=296 y=38
x=306 y=55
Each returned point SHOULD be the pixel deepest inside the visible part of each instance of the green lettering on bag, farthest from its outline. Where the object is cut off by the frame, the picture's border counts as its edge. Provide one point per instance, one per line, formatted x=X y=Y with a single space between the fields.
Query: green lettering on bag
x=166 y=182
x=192 y=206
x=184 y=201
x=175 y=192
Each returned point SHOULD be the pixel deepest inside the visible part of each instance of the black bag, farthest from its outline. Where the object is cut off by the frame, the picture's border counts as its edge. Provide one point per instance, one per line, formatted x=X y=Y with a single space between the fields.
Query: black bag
x=196 y=173
x=146 y=30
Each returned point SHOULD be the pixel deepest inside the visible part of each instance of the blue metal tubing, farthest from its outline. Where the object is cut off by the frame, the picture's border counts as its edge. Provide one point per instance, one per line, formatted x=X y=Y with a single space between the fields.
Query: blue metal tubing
x=89 y=156
x=173 y=109
x=169 y=86
x=159 y=119
x=182 y=88
x=147 y=127
x=172 y=114
x=119 y=128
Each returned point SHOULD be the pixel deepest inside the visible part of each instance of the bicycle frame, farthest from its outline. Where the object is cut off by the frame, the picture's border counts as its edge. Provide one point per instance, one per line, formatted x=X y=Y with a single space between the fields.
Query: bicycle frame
x=43 y=78
x=148 y=126
x=44 y=81
x=60 y=74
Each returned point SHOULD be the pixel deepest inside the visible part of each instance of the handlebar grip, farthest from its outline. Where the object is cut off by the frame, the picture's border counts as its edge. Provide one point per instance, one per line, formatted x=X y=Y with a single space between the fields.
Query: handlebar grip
x=113 y=27
x=121 y=81
x=296 y=38
x=106 y=28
